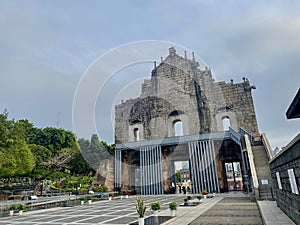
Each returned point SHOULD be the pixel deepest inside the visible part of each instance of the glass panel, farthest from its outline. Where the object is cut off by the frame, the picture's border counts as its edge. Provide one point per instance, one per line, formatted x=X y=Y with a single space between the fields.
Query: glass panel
x=238 y=176
x=234 y=176
x=229 y=175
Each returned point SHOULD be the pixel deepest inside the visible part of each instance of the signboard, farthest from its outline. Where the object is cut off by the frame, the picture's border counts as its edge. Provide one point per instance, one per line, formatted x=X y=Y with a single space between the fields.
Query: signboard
x=265 y=182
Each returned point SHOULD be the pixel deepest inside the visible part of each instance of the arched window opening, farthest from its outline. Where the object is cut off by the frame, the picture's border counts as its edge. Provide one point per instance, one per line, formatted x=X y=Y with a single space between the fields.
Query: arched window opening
x=178 y=131
x=226 y=123
x=136 y=133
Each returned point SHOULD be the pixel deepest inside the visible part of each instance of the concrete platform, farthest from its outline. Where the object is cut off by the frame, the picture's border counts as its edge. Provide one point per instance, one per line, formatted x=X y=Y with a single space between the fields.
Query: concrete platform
x=231 y=208
x=272 y=215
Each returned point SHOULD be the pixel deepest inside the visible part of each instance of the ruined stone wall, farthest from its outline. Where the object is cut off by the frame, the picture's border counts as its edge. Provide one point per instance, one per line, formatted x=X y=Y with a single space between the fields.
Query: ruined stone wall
x=180 y=91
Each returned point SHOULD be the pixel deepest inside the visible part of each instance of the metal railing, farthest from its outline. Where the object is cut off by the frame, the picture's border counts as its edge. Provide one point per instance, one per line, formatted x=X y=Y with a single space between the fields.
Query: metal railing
x=48 y=202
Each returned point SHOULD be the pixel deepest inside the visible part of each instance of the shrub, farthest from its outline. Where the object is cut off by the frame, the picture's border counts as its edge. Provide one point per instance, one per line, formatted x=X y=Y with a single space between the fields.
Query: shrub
x=173 y=205
x=100 y=189
x=199 y=197
x=185 y=199
x=13 y=207
x=189 y=198
x=155 y=206
x=21 y=207
x=88 y=197
x=74 y=192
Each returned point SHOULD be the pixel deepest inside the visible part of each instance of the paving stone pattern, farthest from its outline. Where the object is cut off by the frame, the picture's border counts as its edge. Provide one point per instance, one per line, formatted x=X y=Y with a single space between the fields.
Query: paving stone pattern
x=120 y=211
x=231 y=210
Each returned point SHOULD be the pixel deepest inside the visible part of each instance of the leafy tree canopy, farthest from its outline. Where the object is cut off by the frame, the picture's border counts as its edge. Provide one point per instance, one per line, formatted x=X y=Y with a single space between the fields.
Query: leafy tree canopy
x=16 y=157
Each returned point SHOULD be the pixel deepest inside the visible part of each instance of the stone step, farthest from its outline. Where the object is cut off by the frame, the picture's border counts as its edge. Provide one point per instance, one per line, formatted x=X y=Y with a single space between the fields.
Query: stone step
x=262 y=169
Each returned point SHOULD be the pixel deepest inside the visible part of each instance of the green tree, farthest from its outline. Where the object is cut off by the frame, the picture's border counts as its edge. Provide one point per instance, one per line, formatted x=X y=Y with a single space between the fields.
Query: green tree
x=16 y=157
x=178 y=177
x=96 y=151
x=53 y=148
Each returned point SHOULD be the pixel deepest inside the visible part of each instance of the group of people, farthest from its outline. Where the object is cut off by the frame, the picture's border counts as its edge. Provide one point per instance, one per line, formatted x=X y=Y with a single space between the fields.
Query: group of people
x=184 y=189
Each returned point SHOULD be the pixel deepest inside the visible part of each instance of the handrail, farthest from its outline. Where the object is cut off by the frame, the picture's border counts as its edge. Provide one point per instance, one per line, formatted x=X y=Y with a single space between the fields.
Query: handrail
x=267 y=146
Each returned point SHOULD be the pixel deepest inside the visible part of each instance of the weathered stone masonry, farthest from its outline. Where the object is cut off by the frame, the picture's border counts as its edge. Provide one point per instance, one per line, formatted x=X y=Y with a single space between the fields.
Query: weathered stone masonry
x=180 y=91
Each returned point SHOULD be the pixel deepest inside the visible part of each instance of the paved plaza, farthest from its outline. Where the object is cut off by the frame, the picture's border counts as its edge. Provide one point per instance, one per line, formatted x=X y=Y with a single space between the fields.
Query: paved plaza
x=229 y=208
x=119 y=211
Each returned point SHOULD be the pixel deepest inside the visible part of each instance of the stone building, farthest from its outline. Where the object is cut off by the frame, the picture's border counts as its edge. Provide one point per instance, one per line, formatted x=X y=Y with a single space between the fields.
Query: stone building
x=183 y=114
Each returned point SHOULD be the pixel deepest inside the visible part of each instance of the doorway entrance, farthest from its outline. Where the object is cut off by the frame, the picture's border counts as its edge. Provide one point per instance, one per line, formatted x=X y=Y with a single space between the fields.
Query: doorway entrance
x=234 y=176
x=182 y=177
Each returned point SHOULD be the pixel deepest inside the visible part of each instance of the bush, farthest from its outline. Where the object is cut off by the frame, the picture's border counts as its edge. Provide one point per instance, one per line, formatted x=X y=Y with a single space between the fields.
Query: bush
x=185 y=199
x=100 y=189
x=189 y=198
x=74 y=192
x=199 y=197
x=21 y=207
x=155 y=206
x=173 y=205
x=13 y=207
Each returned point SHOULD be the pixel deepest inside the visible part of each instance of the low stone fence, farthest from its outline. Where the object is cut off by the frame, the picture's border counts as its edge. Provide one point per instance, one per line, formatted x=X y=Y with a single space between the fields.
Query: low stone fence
x=51 y=202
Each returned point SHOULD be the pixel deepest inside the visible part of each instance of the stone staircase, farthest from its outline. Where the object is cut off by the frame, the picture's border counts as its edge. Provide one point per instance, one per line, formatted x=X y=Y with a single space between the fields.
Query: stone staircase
x=262 y=169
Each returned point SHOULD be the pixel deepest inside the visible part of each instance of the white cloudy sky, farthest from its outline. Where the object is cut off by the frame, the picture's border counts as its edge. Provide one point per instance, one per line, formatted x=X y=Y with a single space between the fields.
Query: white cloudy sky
x=46 y=46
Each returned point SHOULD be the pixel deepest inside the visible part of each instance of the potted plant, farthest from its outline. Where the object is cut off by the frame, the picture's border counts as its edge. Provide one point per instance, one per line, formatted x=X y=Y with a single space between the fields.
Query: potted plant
x=155 y=206
x=173 y=207
x=11 y=209
x=189 y=198
x=82 y=200
x=199 y=197
x=65 y=203
x=89 y=199
x=141 y=210
x=185 y=201
x=204 y=193
x=21 y=208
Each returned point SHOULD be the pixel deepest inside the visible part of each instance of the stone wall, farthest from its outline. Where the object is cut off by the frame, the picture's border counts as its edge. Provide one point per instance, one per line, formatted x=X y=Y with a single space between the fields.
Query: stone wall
x=179 y=90
x=288 y=158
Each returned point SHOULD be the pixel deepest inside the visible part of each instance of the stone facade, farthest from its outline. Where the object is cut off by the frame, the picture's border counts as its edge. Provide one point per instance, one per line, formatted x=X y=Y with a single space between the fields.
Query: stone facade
x=179 y=90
